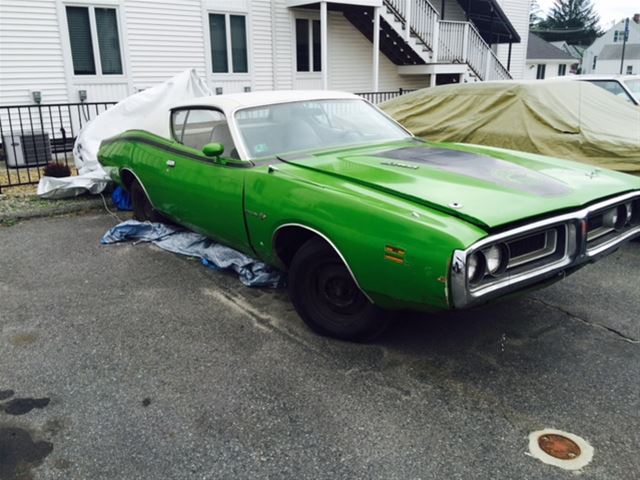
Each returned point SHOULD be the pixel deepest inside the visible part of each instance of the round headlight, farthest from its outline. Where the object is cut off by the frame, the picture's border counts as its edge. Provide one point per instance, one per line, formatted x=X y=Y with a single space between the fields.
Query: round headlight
x=610 y=218
x=476 y=267
x=629 y=207
x=496 y=258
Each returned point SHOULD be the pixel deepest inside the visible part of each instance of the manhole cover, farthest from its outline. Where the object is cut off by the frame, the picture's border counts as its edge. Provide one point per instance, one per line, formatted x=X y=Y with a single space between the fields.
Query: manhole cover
x=561 y=449
x=559 y=446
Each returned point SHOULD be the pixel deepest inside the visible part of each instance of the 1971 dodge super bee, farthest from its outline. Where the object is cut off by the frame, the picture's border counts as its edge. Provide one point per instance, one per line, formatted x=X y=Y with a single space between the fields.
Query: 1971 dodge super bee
x=364 y=217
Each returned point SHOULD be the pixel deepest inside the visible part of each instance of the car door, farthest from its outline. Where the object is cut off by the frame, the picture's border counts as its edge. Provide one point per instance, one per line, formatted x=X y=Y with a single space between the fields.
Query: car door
x=205 y=193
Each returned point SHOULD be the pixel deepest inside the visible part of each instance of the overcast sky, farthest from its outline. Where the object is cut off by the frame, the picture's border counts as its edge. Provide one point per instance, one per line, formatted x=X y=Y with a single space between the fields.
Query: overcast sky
x=609 y=10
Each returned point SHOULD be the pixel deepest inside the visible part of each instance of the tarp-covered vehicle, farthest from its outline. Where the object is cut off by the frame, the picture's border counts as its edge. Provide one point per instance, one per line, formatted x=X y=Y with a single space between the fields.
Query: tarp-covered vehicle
x=570 y=120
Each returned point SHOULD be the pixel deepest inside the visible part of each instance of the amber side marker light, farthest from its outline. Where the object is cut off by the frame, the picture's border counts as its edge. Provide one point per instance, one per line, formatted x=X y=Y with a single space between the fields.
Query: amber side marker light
x=394 y=254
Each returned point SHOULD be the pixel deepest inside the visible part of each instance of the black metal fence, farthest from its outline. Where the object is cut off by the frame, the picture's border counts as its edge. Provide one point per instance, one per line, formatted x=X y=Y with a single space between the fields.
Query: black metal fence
x=379 y=97
x=32 y=136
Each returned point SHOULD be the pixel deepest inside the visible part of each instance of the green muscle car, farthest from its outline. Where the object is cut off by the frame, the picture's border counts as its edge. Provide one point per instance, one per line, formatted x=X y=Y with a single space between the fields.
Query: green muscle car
x=365 y=217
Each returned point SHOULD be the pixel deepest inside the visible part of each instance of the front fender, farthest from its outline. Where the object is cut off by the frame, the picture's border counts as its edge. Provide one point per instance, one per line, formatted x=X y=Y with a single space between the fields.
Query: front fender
x=399 y=252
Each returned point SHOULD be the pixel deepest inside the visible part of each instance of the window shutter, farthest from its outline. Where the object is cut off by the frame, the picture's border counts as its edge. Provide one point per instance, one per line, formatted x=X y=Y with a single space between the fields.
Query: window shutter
x=317 y=49
x=239 y=44
x=302 y=45
x=218 y=33
x=80 y=39
x=108 y=41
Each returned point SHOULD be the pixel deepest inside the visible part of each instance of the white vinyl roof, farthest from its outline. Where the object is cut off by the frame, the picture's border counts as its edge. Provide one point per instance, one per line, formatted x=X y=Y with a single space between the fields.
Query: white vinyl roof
x=234 y=101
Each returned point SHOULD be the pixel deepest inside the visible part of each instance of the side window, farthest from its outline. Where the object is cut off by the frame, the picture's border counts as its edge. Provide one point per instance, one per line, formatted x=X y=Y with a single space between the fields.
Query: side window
x=199 y=126
x=177 y=124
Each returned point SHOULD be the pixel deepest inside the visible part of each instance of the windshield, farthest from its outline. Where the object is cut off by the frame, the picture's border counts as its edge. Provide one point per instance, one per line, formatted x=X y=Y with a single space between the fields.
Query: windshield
x=634 y=86
x=315 y=124
x=614 y=87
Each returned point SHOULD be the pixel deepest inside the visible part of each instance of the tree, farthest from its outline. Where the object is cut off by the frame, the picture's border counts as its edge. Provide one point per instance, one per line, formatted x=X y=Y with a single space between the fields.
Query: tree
x=535 y=14
x=574 y=21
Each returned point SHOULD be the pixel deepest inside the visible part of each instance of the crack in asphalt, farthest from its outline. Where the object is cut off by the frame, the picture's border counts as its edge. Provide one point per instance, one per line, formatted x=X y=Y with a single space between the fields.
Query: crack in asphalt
x=618 y=333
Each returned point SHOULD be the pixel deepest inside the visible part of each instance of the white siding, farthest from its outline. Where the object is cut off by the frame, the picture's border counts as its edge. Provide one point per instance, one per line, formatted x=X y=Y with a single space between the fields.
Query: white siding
x=262 y=45
x=518 y=13
x=283 y=42
x=164 y=37
x=531 y=68
x=452 y=10
x=351 y=62
x=161 y=38
x=609 y=66
x=31 y=55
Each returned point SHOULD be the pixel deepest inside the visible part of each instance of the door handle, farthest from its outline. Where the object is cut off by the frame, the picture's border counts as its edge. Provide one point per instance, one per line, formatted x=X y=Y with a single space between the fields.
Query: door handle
x=171 y=163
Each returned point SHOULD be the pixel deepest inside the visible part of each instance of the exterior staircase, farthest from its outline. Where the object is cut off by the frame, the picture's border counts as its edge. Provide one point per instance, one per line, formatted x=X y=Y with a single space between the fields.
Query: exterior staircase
x=413 y=34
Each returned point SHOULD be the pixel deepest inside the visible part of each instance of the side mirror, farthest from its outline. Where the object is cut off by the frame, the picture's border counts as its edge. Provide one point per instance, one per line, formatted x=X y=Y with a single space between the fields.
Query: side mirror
x=213 y=150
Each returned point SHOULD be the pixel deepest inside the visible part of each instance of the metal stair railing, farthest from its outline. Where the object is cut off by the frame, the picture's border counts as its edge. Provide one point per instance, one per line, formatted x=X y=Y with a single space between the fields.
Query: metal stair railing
x=449 y=41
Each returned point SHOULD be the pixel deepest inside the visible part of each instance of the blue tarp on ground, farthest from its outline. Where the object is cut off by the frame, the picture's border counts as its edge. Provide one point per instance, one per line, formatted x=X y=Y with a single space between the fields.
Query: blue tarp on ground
x=251 y=272
x=121 y=199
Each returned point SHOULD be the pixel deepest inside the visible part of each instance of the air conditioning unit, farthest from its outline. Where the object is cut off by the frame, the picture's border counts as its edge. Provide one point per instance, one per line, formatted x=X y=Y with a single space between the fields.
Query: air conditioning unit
x=31 y=149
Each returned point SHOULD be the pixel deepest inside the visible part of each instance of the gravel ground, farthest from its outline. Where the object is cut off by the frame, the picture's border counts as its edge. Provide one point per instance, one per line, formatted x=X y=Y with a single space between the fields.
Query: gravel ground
x=15 y=207
x=127 y=362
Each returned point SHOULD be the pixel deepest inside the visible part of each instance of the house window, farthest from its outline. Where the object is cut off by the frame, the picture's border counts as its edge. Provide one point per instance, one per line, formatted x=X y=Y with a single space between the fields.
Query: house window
x=228 y=35
x=308 y=50
x=562 y=70
x=629 y=69
x=618 y=36
x=93 y=31
x=541 y=71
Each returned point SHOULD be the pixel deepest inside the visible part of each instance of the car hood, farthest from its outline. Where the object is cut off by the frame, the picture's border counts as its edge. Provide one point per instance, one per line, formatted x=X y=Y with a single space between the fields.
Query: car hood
x=487 y=186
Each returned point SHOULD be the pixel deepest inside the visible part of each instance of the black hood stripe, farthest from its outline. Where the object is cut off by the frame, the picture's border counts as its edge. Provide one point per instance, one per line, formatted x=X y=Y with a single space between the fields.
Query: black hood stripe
x=488 y=169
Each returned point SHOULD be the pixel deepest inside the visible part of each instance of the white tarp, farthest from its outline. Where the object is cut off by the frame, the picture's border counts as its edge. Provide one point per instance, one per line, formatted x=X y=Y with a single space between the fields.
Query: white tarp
x=146 y=110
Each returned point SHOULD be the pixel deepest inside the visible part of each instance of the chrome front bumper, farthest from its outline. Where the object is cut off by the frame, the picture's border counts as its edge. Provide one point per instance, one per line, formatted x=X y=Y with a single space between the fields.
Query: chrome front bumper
x=576 y=252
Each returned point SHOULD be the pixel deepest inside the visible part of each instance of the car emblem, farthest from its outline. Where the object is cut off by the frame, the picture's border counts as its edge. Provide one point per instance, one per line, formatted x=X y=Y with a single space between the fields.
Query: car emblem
x=592 y=173
x=401 y=164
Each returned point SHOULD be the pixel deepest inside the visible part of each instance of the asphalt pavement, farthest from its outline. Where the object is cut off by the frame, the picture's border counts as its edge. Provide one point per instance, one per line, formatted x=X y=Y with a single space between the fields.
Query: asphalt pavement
x=126 y=362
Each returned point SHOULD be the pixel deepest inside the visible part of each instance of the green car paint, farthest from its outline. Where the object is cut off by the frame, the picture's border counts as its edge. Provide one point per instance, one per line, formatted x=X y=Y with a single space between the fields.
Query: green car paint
x=366 y=201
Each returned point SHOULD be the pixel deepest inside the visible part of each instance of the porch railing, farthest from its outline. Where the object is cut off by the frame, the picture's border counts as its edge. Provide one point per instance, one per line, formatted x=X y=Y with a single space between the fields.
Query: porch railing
x=379 y=97
x=418 y=18
x=460 y=42
x=449 y=41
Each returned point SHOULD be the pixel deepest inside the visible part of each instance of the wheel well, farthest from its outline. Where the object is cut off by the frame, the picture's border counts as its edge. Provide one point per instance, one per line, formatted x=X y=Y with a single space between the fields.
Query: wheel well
x=288 y=241
x=127 y=178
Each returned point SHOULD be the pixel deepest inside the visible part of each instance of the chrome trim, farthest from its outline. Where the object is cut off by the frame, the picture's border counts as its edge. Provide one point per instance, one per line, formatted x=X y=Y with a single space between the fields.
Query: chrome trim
x=326 y=239
x=596 y=233
x=548 y=249
x=576 y=254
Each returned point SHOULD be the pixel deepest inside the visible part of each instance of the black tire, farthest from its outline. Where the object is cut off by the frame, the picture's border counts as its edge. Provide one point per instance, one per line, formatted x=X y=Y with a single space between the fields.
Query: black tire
x=328 y=300
x=142 y=208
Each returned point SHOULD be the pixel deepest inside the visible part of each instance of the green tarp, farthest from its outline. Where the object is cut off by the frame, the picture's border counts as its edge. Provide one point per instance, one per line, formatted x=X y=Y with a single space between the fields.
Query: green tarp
x=572 y=120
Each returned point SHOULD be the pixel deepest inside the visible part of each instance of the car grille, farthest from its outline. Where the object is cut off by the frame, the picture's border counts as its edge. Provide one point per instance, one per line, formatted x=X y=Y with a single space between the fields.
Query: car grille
x=531 y=248
x=542 y=250
x=606 y=225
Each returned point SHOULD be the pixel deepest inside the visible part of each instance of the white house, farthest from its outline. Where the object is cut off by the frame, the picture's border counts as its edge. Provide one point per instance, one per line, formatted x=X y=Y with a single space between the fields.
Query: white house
x=60 y=51
x=605 y=54
x=545 y=60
